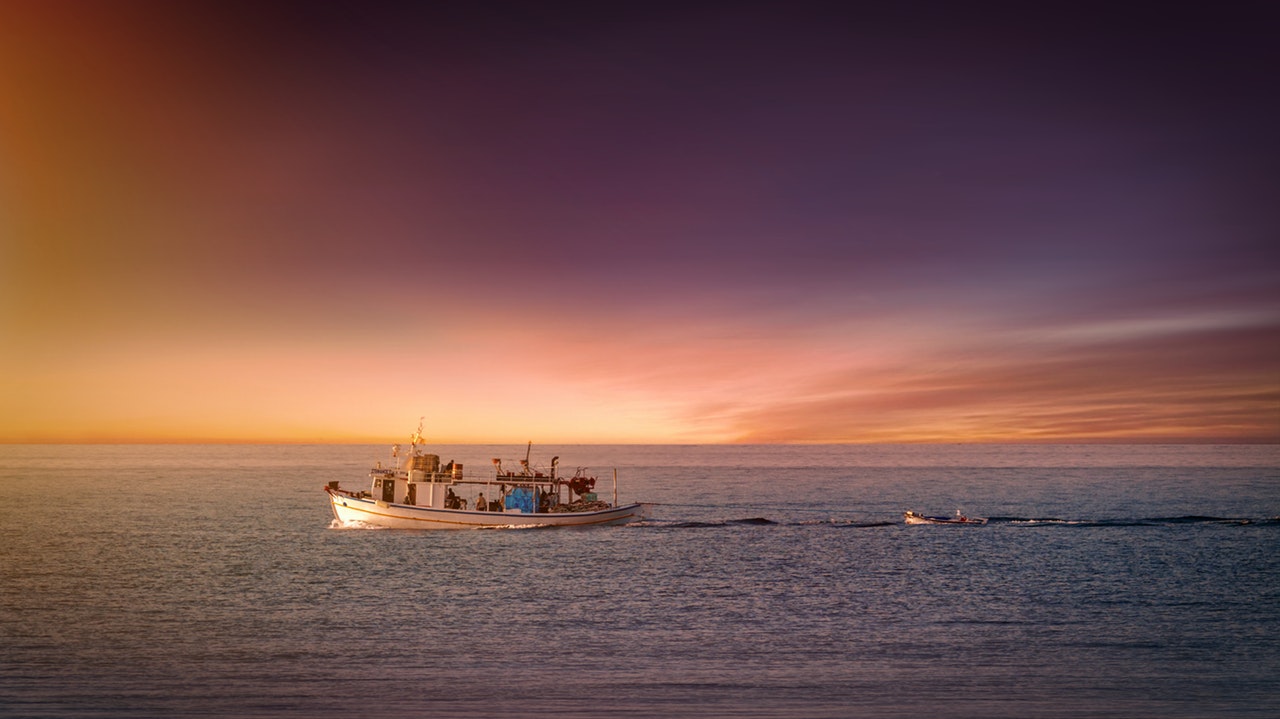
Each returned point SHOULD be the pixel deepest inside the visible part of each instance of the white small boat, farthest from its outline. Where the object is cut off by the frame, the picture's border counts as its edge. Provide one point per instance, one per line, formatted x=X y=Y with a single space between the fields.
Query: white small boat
x=421 y=493
x=916 y=518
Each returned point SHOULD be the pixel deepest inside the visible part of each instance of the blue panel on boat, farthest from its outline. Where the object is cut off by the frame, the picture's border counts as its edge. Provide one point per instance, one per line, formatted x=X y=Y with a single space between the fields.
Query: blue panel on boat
x=520 y=498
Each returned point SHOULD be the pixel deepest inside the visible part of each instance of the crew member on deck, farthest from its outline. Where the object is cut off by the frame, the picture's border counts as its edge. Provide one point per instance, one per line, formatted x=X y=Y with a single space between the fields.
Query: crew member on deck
x=481 y=505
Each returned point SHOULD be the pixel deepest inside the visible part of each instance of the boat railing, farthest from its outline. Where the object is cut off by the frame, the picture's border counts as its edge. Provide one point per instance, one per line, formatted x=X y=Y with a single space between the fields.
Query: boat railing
x=356 y=494
x=537 y=479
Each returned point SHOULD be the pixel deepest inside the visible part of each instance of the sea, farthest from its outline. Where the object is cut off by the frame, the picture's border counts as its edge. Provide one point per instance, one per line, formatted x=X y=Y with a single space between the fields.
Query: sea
x=765 y=581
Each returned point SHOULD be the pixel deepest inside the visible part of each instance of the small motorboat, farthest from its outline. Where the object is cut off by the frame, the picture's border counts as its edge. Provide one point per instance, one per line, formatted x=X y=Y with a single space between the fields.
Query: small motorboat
x=917 y=518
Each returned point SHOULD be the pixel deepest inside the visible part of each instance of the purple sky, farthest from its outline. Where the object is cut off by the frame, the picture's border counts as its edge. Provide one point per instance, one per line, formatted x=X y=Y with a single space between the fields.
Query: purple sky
x=749 y=221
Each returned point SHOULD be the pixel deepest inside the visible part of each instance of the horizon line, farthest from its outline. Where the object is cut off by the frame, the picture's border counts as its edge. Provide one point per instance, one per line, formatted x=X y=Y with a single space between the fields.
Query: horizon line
x=1114 y=441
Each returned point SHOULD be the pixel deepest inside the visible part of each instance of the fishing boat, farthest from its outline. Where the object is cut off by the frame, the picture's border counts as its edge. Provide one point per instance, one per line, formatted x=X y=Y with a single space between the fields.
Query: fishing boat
x=916 y=518
x=420 y=492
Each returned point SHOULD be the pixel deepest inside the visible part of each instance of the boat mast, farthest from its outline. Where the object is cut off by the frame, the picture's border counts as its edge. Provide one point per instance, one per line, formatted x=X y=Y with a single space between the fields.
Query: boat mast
x=416 y=439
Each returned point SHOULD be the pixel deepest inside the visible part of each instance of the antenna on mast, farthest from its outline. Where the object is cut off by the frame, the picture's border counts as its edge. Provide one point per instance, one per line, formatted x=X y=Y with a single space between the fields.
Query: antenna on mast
x=416 y=439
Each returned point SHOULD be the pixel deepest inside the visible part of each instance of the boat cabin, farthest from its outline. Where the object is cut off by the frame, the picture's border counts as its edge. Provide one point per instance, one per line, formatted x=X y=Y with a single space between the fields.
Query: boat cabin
x=423 y=481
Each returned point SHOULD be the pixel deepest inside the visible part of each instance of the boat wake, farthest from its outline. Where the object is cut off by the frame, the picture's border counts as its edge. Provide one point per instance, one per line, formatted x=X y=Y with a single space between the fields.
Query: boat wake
x=833 y=522
x=756 y=522
x=1190 y=519
x=352 y=524
x=1186 y=520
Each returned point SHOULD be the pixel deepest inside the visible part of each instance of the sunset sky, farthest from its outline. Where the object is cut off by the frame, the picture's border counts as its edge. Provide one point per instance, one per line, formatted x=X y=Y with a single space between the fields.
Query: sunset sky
x=705 y=222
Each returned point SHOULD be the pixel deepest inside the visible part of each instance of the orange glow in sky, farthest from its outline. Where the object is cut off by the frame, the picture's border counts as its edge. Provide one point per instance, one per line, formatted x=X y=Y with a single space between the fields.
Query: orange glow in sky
x=226 y=228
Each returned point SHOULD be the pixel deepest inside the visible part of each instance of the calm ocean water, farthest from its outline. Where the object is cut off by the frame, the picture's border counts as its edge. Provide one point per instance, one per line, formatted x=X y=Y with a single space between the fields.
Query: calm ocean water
x=772 y=581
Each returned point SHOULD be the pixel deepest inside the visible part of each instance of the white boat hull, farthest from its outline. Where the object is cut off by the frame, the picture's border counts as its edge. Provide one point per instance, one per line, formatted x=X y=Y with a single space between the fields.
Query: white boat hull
x=348 y=508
